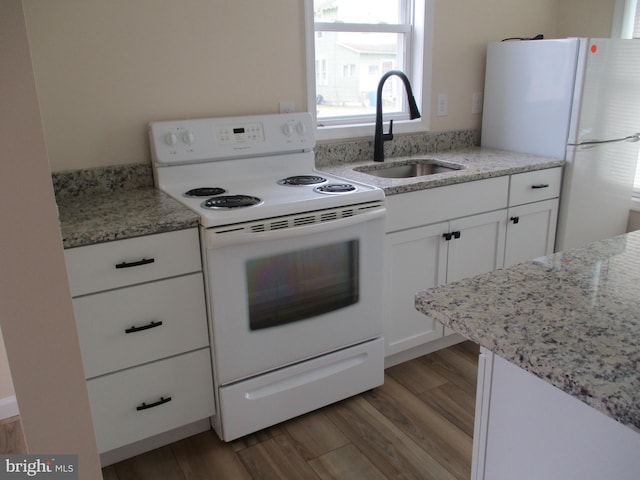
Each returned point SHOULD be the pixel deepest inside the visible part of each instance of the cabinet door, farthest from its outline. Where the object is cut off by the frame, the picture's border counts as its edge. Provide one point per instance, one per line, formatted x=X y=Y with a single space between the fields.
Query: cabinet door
x=479 y=246
x=531 y=231
x=417 y=260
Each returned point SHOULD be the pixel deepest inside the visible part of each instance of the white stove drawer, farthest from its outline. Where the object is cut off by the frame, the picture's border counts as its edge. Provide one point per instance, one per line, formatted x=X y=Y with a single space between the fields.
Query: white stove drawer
x=129 y=326
x=104 y=266
x=140 y=402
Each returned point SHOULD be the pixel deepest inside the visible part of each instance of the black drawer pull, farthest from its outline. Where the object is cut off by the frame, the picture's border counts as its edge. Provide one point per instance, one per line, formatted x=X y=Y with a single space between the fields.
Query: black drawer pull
x=540 y=185
x=145 y=406
x=450 y=235
x=149 y=325
x=515 y=220
x=144 y=261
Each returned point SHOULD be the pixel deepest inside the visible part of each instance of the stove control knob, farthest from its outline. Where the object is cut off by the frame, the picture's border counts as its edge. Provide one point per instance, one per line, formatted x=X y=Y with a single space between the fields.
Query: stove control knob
x=301 y=128
x=287 y=129
x=171 y=139
x=188 y=137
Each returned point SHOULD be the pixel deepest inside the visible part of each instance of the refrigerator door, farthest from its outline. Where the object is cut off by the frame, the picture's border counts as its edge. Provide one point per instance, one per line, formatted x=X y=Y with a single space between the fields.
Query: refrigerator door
x=607 y=99
x=596 y=193
x=528 y=95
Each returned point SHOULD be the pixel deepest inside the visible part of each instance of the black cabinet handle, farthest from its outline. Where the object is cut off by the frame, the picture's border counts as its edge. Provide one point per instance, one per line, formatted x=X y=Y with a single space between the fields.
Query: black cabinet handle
x=450 y=235
x=515 y=220
x=144 y=261
x=149 y=325
x=540 y=185
x=145 y=406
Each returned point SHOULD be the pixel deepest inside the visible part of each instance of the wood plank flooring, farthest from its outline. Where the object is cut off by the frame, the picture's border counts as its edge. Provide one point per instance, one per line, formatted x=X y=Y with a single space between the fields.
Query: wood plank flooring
x=419 y=425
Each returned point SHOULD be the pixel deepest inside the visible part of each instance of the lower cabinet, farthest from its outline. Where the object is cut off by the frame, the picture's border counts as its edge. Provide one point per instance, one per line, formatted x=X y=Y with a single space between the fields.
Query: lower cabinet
x=140 y=311
x=444 y=234
x=531 y=231
x=526 y=428
x=433 y=255
x=143 y=401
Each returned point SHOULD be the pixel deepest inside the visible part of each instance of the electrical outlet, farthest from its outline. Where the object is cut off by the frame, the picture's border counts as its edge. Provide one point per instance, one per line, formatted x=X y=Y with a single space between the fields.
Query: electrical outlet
x=476 y=103
x=287 y=107
x=442 y=109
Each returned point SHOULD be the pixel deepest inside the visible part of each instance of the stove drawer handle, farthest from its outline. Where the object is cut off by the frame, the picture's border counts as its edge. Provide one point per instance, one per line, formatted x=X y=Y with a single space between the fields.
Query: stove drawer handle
x=146 y=406
x=149 y=325
x=144 y=261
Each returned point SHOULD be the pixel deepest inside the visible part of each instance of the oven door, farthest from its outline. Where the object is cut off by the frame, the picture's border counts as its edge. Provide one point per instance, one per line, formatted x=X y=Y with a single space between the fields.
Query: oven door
x=288 y=289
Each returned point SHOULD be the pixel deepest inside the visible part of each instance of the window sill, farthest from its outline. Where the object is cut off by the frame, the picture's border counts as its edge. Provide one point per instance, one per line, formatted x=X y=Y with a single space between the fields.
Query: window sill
x=368 y=130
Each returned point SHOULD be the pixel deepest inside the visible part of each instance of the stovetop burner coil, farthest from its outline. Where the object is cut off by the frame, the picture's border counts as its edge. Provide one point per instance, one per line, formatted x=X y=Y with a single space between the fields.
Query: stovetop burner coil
x=231 y=201
x=302 y=180
x=204 y=192
x=335 y=188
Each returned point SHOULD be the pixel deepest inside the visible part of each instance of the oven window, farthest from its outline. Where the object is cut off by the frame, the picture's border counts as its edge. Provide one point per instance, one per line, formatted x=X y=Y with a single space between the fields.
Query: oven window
x=302 y=284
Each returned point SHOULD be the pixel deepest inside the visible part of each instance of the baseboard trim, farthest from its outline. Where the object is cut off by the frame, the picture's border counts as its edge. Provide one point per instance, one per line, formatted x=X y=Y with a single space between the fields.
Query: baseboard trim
x=151 y=443
x=421 y=350
x=8 y=407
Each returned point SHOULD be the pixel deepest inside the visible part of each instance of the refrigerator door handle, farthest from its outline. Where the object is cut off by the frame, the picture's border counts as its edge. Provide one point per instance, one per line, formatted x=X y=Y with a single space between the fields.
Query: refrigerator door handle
x=594 y=143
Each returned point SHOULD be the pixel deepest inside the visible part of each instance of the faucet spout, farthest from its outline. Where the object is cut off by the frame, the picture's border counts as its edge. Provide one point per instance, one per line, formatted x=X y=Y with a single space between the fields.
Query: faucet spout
x=380 y=137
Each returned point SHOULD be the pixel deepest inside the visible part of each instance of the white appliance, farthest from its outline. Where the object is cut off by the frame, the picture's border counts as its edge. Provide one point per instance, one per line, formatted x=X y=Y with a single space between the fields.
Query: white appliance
x=294 y=277
x=577 y=99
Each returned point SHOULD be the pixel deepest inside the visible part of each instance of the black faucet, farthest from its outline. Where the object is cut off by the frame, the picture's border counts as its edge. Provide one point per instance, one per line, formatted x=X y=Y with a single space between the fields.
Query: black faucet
x=380 y=138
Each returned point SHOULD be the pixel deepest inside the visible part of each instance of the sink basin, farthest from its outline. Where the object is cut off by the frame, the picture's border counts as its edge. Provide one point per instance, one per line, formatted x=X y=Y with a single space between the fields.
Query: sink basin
x=409 y=169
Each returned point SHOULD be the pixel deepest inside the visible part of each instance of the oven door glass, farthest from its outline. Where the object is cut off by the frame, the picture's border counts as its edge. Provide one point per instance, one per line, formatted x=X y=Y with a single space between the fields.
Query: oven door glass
x=294 y=286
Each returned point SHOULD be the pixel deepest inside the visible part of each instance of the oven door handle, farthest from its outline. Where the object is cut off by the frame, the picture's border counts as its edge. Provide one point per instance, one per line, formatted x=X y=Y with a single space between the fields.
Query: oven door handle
x=216 y=239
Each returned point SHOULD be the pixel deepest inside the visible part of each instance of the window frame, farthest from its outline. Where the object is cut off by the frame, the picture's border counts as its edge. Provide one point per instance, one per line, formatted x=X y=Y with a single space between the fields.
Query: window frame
x=420 y=61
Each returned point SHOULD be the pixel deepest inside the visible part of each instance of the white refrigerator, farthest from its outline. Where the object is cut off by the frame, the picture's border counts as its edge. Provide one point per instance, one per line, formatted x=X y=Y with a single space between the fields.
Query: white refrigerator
x=577 y=99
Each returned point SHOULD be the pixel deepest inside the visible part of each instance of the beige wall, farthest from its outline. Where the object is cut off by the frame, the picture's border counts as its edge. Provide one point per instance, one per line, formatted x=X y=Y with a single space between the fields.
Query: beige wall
x=580 y=18
x=105 y=68
x=36 y=314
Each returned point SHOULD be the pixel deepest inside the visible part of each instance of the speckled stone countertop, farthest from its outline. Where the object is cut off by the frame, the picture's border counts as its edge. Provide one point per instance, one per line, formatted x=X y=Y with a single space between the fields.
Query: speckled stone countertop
x=113 y=203
x=572 y=319
x=478 y=163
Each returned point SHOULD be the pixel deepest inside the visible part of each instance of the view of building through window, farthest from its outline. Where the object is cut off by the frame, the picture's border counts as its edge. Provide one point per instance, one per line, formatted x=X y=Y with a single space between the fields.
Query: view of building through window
x=356 y=42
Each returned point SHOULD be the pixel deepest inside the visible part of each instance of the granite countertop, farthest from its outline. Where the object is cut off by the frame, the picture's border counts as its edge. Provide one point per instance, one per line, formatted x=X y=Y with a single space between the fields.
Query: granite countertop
x=103 y=217
x=572 y=319
x=479 y=163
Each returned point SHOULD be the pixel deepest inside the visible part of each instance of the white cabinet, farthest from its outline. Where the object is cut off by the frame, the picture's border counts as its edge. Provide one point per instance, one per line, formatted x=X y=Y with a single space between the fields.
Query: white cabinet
x=417 y=260
x=444 y=234
x=141 y=317
x=533 y=214
x=525 y=428
x=432 y=254
x=531 y=231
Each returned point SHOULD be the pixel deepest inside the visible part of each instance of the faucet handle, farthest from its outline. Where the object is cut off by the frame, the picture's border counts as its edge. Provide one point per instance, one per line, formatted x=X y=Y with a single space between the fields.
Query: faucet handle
x=389 y=135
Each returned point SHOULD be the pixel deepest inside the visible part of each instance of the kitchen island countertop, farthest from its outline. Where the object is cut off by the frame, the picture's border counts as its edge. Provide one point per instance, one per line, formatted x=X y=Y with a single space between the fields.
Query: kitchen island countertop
x=572 y=319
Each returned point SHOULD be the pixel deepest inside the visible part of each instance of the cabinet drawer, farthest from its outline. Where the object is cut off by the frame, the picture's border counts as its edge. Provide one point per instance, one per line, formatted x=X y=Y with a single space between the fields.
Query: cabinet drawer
x=168 y=317
x=103 y=266
x=535 y=186
x=115 y=399
x=424 y=207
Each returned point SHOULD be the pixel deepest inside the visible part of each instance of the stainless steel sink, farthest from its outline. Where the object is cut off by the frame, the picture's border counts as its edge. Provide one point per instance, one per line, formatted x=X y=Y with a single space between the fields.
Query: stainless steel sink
x=409 y=169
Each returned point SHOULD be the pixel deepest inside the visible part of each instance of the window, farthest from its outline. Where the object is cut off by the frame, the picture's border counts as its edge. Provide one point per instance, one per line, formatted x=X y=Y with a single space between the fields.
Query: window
x=358 y=41
x=627 y=25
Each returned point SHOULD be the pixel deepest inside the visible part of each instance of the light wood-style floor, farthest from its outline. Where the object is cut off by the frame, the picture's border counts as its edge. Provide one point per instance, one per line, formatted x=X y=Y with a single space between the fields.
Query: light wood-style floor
x=419 y=425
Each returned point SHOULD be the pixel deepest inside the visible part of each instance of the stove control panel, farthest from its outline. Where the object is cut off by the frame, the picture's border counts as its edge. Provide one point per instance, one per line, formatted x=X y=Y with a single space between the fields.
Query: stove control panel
x=210 y=139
